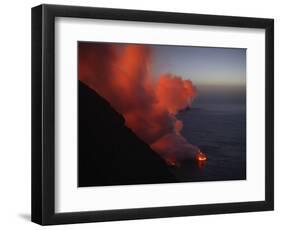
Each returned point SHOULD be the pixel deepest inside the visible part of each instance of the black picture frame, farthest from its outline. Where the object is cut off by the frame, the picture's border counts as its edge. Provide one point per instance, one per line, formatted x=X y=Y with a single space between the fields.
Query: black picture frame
x=43 y=110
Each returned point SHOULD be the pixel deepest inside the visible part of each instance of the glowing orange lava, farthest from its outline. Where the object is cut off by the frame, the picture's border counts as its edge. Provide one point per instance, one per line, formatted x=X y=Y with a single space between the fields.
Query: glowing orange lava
x=201 y=156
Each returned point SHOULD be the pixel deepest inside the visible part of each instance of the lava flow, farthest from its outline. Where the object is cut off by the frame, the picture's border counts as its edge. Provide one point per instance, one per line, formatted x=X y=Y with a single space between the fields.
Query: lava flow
x=201 y=159
x=201 y=156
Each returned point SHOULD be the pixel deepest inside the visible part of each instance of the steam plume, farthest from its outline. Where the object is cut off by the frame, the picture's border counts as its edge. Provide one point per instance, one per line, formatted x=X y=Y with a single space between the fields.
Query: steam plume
x=122 y=75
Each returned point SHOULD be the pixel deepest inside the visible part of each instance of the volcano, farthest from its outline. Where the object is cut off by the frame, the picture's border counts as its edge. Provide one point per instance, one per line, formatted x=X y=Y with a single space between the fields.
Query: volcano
x=109 y=152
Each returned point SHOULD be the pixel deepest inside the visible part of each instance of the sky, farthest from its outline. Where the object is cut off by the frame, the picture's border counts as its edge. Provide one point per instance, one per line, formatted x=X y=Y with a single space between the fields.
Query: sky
x=202 y=65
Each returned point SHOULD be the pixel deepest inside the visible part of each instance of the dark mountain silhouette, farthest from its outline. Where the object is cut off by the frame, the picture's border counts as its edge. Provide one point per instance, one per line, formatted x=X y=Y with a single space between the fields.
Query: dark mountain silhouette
x=109 y=152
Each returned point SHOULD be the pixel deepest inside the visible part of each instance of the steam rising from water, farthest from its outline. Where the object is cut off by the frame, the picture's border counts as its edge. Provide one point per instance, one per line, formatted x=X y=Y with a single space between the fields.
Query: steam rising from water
x=122 y=75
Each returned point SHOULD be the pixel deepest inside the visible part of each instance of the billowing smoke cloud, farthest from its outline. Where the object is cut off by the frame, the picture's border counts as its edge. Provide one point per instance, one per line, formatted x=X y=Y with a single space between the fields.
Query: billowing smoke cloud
x=122 y=75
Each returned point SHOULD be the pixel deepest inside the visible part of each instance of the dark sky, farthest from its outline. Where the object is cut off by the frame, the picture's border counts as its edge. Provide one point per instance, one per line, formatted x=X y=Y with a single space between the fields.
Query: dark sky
x=202 y=65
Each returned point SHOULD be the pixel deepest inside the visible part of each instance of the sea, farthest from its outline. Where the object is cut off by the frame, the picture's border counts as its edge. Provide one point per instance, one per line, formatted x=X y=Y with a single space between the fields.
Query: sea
x=216 y=123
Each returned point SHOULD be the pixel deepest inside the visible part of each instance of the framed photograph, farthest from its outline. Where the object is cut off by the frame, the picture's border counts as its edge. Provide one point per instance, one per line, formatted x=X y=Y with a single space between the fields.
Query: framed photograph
x=141 y=114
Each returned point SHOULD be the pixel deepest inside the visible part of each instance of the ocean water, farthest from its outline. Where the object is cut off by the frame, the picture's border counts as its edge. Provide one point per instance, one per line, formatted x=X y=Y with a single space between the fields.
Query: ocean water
x=216 y=123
